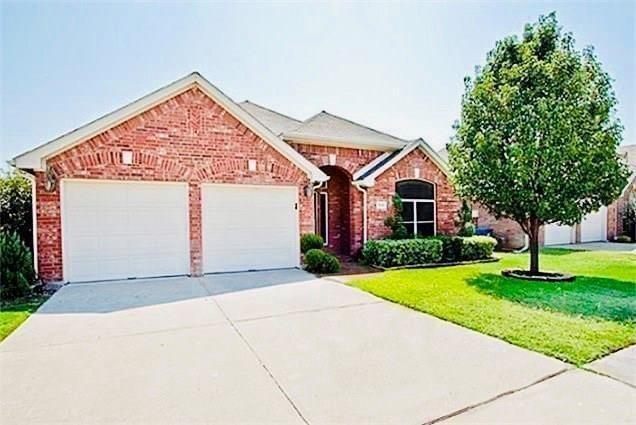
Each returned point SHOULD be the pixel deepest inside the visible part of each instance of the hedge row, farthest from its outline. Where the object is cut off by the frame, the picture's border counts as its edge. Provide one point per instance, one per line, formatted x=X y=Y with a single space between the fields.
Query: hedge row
x=438 y=249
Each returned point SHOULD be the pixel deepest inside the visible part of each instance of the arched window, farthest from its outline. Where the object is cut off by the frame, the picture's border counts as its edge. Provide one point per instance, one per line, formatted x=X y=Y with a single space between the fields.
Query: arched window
x=418 y=201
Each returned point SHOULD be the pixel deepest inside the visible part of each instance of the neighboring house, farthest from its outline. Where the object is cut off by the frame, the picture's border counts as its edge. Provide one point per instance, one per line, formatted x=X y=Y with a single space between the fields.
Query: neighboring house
x=186 y=181
x=602 y=225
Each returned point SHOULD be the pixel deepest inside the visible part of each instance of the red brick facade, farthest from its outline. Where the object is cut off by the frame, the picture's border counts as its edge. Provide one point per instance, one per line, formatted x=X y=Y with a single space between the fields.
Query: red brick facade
x=447 y=205
x=188 y=138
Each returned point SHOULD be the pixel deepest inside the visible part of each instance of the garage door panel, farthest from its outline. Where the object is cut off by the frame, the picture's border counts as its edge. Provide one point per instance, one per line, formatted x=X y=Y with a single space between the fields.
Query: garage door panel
x=115 y=230
x=249 y=228
x=555 y=234
x=593 y=226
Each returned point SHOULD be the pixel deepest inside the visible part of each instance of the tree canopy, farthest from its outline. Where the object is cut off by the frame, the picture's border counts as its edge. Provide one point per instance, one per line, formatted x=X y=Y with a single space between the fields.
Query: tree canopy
x=538 y=133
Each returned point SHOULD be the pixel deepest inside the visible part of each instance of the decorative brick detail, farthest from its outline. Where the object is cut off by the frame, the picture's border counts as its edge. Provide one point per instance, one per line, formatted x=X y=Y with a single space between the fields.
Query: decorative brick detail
x=187 y=138
x=349 y=159
x=447 y=204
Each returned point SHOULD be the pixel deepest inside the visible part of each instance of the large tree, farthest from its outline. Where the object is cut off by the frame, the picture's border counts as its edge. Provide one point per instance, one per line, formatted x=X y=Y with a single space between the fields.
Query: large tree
x=537 y=137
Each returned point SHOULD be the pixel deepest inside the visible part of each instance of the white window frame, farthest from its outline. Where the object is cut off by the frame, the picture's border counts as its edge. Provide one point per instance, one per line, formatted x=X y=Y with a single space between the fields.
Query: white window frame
x=325 y=214
x=415 y=220
x=416 y=201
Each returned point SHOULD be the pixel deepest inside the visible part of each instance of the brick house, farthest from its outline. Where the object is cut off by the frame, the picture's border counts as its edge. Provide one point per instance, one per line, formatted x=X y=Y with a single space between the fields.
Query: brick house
x=602 y=225
x=186 y=181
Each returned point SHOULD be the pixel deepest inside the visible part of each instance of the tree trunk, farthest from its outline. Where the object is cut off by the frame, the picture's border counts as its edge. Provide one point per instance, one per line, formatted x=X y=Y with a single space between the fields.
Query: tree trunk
x=534 y=245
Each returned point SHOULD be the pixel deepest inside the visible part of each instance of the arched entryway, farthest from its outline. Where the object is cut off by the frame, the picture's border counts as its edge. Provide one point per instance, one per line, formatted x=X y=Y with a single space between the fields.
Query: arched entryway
x=332 y=210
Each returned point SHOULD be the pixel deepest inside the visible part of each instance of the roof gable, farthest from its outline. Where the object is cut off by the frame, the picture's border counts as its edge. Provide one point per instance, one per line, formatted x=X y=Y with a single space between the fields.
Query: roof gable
x=367 y=175
x=36 y=158
x=334 y=130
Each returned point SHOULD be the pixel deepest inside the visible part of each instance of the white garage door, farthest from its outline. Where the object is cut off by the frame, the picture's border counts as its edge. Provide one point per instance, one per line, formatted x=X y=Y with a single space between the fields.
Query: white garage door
x=593 y=226
x=249 y=227
x=118 y=230
x=556 y=234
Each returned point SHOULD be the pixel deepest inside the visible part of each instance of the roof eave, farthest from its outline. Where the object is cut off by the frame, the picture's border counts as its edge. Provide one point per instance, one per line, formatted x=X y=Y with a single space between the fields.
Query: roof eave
x=340 y=142
x=36 y=158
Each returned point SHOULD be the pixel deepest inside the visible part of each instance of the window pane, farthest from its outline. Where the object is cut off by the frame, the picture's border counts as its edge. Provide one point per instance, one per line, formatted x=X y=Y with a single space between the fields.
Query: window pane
x=415 y=189
x=407 y=211
x=410 y=227
x=425 y=211
x=425 y=229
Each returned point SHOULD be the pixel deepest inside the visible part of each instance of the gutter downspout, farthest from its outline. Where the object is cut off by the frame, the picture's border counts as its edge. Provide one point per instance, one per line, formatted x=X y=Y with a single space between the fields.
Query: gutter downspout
x=364 y=210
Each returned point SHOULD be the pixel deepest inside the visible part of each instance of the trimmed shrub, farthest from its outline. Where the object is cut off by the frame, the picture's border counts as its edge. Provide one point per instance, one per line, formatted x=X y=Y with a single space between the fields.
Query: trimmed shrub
x=319 y=261
x=406 y=252
x=623 y=239
x=15 y=206
x=310 y=241
x=478 y=247
x=451 y=248
x=16 y=267
x=467 y=230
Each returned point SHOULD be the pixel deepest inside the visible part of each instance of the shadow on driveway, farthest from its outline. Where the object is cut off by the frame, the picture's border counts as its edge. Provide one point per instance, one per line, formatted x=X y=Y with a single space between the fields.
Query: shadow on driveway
x=108 y=297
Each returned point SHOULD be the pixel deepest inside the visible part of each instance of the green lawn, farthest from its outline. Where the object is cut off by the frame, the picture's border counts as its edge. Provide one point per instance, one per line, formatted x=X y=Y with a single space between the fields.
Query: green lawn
x=14 y=313
x=577 y=322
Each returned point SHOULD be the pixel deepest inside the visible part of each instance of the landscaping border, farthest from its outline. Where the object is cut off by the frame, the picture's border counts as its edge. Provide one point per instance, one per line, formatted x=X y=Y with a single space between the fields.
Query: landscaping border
x=549 y=277
x=436 y=265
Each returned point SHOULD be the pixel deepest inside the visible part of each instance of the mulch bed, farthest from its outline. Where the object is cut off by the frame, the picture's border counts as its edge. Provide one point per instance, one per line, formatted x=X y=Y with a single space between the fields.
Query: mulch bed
x=435 y=265
x=538 y=277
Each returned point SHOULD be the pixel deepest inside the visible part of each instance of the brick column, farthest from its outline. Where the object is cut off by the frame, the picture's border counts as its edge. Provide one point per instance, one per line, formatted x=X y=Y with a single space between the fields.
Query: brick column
x=196 y=266
x=49 y=232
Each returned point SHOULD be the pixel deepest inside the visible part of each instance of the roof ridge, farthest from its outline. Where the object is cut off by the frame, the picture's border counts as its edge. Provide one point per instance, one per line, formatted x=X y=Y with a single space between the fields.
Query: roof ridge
x=364 y=126
x=258 y=105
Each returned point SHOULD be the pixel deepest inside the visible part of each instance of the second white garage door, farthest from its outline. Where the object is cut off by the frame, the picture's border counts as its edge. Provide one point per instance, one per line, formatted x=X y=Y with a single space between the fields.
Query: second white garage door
x=119 y=230
x=594 y=225
x=249 y=227
x=556 y=234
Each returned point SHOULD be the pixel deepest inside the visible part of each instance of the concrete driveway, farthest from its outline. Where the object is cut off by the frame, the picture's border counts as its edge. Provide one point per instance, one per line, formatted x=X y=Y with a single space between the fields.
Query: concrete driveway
x=600 y=246
x=271 y=347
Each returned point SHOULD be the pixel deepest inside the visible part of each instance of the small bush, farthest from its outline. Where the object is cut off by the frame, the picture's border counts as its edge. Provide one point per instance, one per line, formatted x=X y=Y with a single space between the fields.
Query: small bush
x=623 y=239
x=16 y=267
x=467 y=230
x=451 y=248
x=478 y=247
x=406 y=252
x=310 y=241
x=318 y=261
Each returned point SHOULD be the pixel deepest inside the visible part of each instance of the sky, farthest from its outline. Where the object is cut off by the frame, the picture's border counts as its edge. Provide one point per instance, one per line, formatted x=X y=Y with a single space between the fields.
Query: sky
x=397 y=67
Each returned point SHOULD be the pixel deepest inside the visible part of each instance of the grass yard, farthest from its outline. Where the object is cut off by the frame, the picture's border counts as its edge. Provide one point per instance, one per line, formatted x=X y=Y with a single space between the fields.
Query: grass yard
x=576 y=322
x=14 y=313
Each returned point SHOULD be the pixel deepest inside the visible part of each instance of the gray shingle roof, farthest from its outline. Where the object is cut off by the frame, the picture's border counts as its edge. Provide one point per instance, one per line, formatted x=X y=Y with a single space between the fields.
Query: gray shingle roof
x=275 y=121
x=326 y=126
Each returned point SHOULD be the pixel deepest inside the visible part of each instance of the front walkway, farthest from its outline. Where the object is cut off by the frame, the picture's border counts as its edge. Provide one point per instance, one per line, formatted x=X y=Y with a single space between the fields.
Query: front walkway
x=276 y=347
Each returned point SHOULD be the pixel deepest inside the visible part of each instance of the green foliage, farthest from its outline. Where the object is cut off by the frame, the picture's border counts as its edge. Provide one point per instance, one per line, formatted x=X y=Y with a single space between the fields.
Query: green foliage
x=478 y=247
x=467 y=229
x=310 y=241
x=537 y=137
x=577 y=321
x=434 y=249
x=319 y=261
x=465 y=220
x=15 y=206
x=451 y=248
x=395 y=222
x=16 y=267
x=405 y=252
x=623 y=239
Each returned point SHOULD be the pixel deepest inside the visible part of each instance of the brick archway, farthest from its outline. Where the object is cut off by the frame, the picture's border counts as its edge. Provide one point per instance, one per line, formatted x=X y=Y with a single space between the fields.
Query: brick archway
x=338 y=217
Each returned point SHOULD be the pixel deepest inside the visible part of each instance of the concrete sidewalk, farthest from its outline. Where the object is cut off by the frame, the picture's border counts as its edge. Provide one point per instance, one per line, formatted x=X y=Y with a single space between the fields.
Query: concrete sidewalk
x=267 y=347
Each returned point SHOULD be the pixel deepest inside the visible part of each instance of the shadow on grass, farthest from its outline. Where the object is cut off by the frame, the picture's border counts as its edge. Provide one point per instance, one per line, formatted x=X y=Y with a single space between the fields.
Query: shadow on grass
x=587 y=296
x=560 y=251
